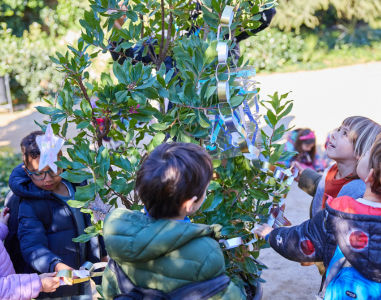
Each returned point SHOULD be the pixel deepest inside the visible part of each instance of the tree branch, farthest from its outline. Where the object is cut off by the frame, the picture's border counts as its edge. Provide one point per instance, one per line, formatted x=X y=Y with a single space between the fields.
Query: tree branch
x=163 y=54
x=162 y=29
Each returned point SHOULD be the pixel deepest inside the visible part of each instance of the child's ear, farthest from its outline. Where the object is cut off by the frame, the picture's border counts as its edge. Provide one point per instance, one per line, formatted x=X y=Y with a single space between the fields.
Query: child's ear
x=188 y=204
x=369 y=178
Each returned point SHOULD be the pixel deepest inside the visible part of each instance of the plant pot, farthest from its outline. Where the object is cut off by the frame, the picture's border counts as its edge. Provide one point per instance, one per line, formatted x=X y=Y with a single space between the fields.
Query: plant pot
x=254 y=292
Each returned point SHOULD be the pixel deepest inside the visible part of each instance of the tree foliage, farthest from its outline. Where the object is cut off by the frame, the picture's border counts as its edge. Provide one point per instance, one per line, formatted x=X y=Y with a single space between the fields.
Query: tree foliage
x=131 y=101
x=293 y=14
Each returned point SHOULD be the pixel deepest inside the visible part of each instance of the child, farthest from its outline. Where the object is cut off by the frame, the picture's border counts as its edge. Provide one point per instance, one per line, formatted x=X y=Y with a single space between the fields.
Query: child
x=351 y=141
x=25 y=286
x=346 y=234
x=163 y=250
x=47 y=225
x=303 y=141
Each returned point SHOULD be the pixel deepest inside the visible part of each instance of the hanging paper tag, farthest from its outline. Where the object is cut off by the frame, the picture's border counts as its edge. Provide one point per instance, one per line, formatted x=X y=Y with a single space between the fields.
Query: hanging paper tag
x=49 y=146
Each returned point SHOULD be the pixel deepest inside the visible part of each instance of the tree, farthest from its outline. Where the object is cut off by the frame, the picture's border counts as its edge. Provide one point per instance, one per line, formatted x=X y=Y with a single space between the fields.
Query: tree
x=244 y=189
x=293 y=14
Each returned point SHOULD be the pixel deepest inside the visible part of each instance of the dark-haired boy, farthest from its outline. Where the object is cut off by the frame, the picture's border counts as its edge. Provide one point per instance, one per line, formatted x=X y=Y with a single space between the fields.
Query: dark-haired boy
x=346 y=236
x=162 y=249
x=47 y=224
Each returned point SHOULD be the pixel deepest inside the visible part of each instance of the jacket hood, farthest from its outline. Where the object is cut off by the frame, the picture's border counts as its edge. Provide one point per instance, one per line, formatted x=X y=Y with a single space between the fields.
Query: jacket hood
x=357 y=230
x=22 y=186
x=130 y=236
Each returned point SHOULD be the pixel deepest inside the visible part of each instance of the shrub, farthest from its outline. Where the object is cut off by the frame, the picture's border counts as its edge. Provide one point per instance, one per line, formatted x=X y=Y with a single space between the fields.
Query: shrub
x=27 y=61
x=8 y=161
x=272 y=49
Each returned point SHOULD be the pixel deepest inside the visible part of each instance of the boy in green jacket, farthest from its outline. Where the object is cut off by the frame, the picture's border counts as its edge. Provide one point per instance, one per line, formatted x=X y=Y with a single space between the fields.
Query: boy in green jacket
x=162 y=249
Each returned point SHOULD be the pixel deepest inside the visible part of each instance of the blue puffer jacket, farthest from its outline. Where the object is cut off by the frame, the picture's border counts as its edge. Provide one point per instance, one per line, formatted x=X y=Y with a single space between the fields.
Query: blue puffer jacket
x=345 y=223
x=43 y=247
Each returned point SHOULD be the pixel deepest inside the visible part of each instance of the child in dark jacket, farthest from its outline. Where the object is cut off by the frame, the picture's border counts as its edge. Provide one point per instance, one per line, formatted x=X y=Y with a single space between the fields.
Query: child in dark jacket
x=162 y=249
x=47 y=224
x=348 y=229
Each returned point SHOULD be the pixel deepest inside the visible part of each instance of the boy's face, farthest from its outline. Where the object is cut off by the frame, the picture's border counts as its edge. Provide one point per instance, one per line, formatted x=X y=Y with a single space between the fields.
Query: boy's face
x=363 y=167
x=340 y=146
x=49 y=183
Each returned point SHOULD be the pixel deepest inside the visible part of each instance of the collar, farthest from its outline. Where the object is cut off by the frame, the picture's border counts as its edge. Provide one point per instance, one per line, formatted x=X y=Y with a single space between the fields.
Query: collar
x=186 y=219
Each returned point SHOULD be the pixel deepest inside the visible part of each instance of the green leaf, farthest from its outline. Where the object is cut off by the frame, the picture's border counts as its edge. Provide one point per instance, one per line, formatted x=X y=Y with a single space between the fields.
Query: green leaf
x=76 y=176
x=208 y=202
x=64 y=163
x=258 y=194
x=46 y=110
x=86 y=108
x=213 y=185
x=106 y=78
x=159 y=126
x=122 y=162
x=124 y=45
x=271 y=117
x=236 y=101
x=274 y=158
x=87 y=192
x=83 y=124
x=216 y=163
x=84 y=238
x=103 y=161
x=210 y=91
x=76 y=204
x=64 y=128
x=119 y=73
x=119 y=185
x=226 y=230
x=250 y=265
x=203 y=120
x=156 y=141
x=286 y=112
x=216 y=201
x=121 y=96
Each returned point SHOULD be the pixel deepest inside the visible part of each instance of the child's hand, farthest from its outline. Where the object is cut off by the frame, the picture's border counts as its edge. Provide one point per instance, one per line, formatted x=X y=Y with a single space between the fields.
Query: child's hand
x=4 y=216
x=299 y=167
x=61 y=266
x=49 y=283
x=263 y=230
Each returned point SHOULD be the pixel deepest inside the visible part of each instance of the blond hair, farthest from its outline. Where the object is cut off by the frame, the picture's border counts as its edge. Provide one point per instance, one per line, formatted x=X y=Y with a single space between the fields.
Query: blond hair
x=362 y=133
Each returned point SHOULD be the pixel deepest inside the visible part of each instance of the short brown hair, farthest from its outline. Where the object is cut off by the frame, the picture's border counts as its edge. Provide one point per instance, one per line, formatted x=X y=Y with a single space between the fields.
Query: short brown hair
x=29 y=146
x=172 y=174
x=375 y=164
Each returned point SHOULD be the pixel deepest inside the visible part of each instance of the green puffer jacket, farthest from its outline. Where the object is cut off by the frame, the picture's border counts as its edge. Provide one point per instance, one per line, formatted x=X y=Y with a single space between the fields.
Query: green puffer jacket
x=162 y=254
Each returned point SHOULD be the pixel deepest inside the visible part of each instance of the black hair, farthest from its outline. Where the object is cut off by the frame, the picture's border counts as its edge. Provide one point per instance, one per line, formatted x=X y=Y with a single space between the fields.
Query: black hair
x=29 y=147
x=172 y=174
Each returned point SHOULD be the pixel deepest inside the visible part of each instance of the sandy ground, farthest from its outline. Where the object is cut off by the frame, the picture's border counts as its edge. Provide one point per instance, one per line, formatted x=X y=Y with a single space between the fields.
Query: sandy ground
x=322 y=100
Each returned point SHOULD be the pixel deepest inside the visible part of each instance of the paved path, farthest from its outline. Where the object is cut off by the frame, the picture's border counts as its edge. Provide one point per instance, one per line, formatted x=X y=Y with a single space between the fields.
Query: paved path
x=322 y=100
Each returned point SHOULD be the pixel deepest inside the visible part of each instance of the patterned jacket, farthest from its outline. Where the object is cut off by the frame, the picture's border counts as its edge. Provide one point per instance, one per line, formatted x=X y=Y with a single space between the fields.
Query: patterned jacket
x=354 y=227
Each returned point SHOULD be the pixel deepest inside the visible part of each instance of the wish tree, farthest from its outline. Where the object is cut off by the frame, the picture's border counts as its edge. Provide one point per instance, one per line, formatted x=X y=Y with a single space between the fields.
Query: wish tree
x=177 y=76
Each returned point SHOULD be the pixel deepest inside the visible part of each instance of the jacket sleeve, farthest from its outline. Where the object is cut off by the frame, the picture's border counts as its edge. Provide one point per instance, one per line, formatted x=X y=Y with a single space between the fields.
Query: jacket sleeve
x=302 y=243
x=3 y=231
x=33 y=240
x=309 y=181
x=109 y=284
x=20 y=287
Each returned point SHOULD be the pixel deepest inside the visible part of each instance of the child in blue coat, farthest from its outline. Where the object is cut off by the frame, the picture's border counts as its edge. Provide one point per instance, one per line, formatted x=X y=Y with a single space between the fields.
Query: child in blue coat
x=47 y=224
